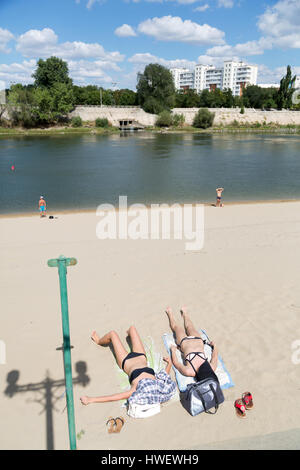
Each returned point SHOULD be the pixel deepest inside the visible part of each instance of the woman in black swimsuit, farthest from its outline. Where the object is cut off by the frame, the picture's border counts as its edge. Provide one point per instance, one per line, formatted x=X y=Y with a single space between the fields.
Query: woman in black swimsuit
x=135 y=366
x=192 y=349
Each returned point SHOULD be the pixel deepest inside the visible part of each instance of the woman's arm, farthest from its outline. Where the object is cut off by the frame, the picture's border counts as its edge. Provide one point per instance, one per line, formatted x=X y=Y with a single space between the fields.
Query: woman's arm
x=184 y=370
x=169 y=364
x=117 y=396
x=214 y=357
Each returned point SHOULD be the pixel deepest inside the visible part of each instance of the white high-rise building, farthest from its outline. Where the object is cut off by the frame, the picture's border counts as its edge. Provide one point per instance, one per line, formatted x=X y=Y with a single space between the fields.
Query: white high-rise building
x=214 y=78
x=200 y=77
x=233 y=75
x=176 y=73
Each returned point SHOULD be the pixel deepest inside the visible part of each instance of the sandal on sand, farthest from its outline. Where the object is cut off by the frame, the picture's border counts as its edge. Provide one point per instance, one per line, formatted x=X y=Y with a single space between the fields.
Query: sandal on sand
x=240 y=408
x=111 y=425
x=119 y=423
x=247 y=400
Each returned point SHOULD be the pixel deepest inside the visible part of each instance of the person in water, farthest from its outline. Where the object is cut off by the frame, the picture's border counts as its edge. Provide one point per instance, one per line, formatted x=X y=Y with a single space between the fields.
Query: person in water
x=147 y=387
x=219 y=197
x=42 y=206
x=192 y=348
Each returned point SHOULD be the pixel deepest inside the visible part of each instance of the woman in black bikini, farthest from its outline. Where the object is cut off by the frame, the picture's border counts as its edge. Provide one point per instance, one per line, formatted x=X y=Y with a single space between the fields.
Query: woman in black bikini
x=146 y=386
x=192 y=349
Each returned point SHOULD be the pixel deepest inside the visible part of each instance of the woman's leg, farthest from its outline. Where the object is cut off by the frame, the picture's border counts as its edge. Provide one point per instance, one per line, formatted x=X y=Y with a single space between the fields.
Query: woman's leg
x=178 y=330
x=188 y=324
x=112 y=337
x=136 y=342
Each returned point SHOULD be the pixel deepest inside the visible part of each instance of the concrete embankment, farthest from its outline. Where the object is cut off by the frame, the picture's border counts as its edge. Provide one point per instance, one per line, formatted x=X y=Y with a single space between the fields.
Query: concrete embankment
x=223 y=116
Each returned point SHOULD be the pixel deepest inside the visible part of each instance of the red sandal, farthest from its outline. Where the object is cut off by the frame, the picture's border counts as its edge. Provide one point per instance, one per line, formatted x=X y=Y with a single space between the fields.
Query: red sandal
x=240 y=408
x=247 y=400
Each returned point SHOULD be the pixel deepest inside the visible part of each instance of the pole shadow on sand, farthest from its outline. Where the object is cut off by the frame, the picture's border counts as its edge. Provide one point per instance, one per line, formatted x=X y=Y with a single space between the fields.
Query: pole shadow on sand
x=49 y=396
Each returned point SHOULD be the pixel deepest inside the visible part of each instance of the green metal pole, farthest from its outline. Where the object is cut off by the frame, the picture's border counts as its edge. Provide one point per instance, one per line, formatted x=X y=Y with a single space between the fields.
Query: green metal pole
x=62 y=264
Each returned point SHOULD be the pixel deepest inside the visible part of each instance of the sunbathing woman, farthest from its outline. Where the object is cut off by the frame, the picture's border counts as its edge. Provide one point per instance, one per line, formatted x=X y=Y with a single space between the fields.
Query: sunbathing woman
x=146 y=386
x=192 y=349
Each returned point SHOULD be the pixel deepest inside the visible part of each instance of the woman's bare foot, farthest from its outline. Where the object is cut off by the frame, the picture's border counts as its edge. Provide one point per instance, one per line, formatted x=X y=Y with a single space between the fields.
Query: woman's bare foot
x=169 y=311
x=183 y=310
x=95 y=337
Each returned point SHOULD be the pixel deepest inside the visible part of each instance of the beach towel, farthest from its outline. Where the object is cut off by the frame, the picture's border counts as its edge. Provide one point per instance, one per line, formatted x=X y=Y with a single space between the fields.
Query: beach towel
x=182 y=381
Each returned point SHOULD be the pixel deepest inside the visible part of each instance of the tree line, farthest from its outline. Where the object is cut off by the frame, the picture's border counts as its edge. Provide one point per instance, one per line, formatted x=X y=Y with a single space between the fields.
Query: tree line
x=53 y=95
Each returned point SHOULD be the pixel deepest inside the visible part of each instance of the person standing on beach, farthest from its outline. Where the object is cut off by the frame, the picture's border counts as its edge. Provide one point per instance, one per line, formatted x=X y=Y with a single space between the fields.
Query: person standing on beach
x=219 y=197
x=42 y=206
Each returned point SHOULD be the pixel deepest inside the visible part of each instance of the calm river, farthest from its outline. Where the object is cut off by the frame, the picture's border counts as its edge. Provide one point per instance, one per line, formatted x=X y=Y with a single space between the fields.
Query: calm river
x=83 y=171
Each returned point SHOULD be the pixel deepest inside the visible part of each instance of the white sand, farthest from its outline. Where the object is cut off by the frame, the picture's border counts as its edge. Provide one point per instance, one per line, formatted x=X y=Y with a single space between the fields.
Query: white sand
x=242 y=287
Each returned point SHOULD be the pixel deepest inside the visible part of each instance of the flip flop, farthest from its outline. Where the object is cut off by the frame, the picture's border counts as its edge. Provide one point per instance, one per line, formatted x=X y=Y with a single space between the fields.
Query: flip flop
x=119 y=424
x=240 y=408
x=111 y=425
x=247 y=400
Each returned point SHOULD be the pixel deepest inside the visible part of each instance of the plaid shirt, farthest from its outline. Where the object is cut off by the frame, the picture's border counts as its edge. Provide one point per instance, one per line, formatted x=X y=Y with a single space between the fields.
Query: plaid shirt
x=149 y=391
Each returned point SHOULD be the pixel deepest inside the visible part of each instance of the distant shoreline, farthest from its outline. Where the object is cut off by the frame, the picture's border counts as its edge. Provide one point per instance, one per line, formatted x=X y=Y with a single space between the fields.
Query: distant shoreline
x=280 y=129
x=74 y=211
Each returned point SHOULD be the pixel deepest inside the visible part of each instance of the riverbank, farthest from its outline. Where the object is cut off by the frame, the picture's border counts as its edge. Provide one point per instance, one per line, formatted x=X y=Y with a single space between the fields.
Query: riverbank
x=231 y=129
x=242 y=288
x=57 y=213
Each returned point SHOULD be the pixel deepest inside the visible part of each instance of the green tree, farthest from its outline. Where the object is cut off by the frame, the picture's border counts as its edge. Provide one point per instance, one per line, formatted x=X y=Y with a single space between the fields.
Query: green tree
x=204 y=99
x=21 y=103
x=43 y=106
x=156 y=89
x=125 y=97
x=50 y=71
x=204 y=119
x=286 y=90
x=228 y=98
x=164 y=119
x=187 y=99
x=63 y=99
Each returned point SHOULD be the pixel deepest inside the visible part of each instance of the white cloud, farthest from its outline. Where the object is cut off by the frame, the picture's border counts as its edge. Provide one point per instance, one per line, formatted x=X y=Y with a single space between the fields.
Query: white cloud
x=125 y=31
x=44 y=43
x=173 y=28
x=17 y=72
x=281 y=24
x=147 y=58
x=5 y=37
x=202 y=8
x=226 y=3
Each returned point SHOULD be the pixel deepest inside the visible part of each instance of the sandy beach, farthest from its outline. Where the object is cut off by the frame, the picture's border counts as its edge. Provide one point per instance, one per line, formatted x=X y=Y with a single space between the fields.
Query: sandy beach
x=242 y=288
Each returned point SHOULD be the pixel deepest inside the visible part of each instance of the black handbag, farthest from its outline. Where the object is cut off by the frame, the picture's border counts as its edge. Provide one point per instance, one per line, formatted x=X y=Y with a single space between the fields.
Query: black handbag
x=202 y=397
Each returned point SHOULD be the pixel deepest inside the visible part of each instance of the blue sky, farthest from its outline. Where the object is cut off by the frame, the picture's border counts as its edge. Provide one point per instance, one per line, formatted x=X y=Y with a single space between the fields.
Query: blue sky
x=106 y=42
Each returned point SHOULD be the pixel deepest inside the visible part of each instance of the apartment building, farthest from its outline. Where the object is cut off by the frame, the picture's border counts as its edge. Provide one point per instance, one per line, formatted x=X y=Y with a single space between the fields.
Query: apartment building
x=180 y=77
x=214 y=78
x=233 y=75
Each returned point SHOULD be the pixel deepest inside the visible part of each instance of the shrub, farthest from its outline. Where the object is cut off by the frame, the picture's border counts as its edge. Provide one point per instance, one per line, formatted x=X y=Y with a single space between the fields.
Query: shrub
x=204 y=119
x=178 y=120
x=164 y=119
x=76 y=121
x=101 y=122
x=242 y=109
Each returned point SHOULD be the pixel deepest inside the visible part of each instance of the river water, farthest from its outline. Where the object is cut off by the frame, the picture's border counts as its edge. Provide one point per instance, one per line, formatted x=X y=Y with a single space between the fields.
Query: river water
x=83 y=171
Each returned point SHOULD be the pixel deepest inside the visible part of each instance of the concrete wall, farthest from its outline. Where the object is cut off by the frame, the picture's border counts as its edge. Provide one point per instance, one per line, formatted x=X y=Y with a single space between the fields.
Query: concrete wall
x=227 y=116
x=222 y=115
x=114 y=114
